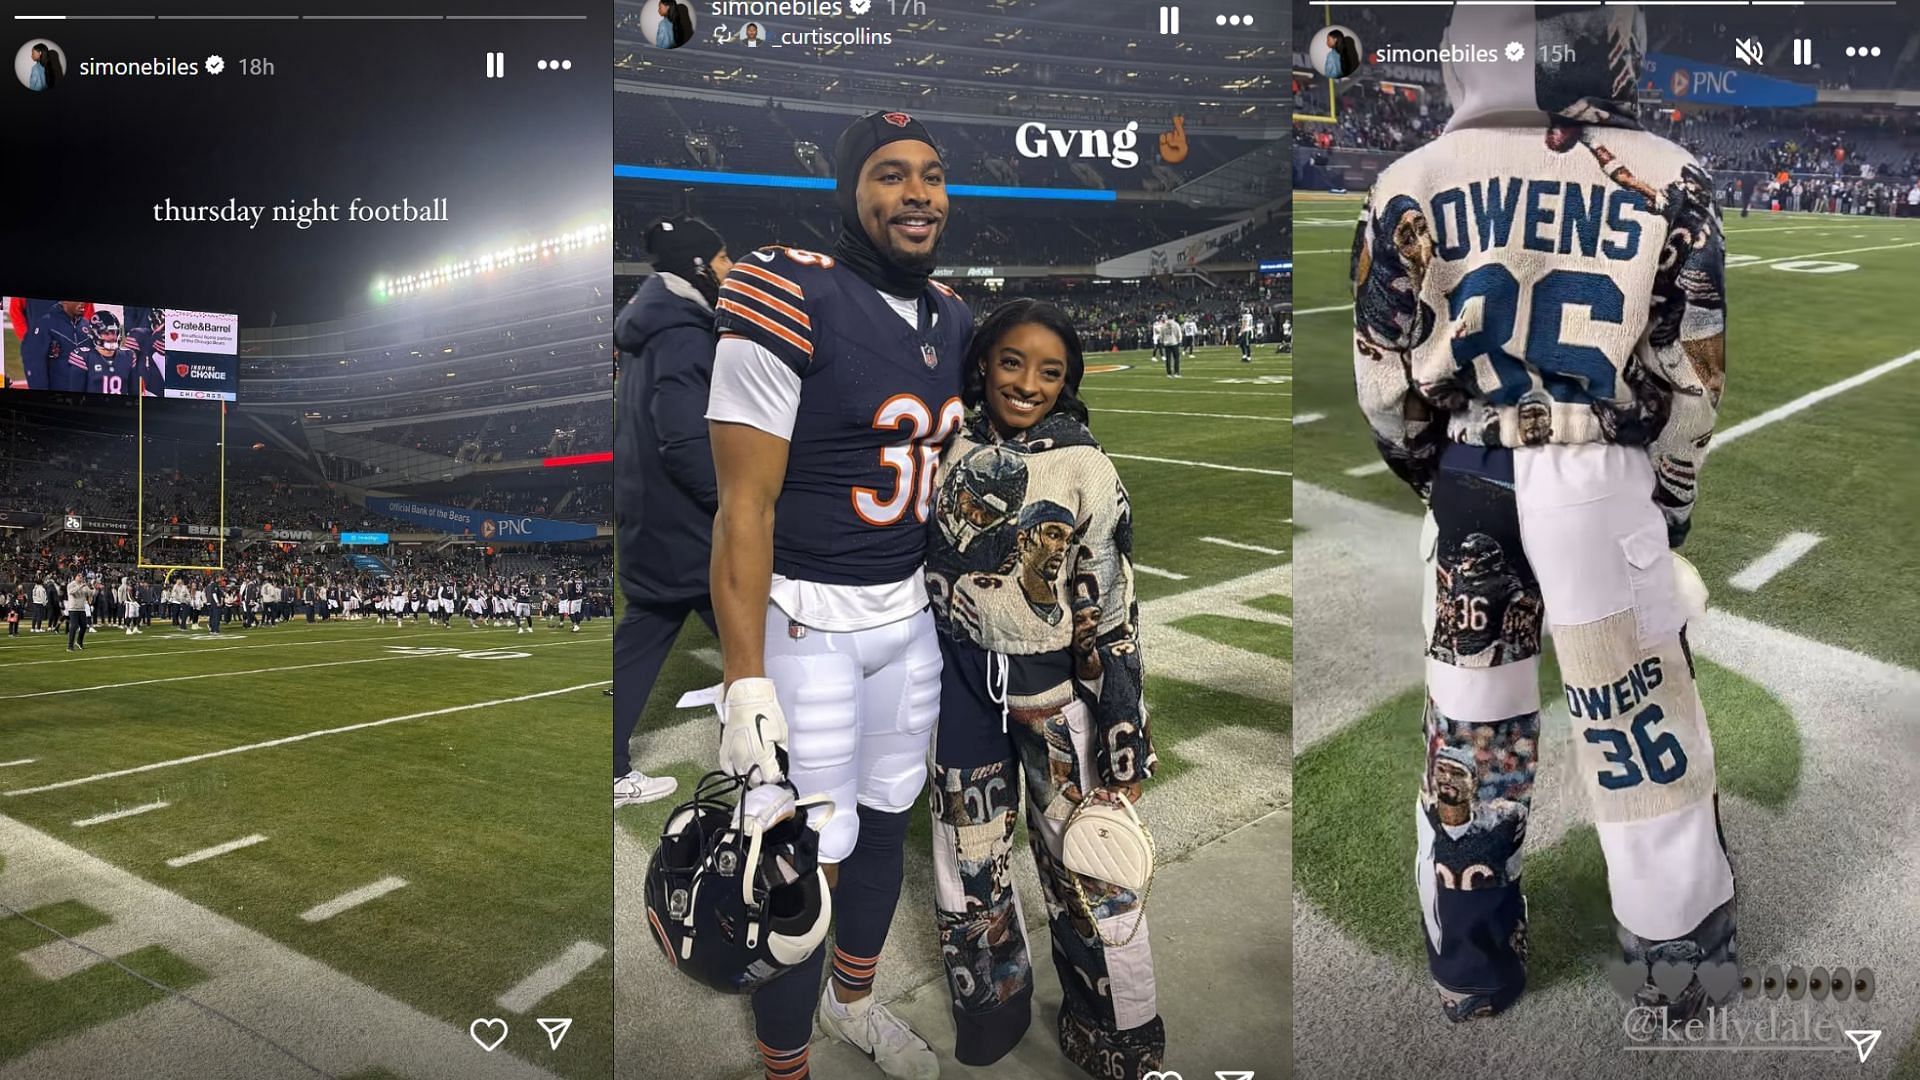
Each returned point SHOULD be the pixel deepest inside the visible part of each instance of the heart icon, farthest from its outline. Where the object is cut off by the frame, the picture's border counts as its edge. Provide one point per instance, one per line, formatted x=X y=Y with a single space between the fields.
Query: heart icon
x=1672 y=978
x=1626 y=976
x=473 y=1029
x=1721 y=981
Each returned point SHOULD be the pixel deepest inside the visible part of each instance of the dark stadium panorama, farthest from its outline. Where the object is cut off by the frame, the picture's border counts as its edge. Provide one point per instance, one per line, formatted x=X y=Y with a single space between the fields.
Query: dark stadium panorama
x=488 y=394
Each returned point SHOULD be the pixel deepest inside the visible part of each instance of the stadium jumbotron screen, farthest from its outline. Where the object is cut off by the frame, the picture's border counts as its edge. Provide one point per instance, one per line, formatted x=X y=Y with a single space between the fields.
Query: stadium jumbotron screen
x=94 y=347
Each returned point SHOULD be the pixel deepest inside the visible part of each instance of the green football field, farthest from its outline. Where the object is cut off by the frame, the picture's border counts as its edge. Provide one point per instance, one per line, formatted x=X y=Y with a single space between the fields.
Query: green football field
x=1805 y=665
x=423 y=811
x=1207 y=462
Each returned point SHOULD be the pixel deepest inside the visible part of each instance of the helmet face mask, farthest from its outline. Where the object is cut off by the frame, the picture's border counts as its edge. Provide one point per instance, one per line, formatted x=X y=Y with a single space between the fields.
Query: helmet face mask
x=104 y=331
x=735 y=895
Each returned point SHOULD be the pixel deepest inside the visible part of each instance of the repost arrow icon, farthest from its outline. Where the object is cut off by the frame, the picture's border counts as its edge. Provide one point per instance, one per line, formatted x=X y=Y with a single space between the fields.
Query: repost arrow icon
x=1863 y=1041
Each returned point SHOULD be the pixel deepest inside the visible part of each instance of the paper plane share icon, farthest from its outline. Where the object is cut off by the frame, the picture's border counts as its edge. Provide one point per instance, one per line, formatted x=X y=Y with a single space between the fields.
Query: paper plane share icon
x=556 y=1029
x=1863 y=1041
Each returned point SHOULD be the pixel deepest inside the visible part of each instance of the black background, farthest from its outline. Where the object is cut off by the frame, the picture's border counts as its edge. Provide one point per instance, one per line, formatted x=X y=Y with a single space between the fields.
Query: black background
x=378 y=109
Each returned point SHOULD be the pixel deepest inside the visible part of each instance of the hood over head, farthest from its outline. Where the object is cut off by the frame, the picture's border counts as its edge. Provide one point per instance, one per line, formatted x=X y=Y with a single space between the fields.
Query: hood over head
x=1597 y=86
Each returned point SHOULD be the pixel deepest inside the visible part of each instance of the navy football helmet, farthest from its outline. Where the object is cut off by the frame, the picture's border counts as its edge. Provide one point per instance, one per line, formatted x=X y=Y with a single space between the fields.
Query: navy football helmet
x=103 y=330
x=735 y=893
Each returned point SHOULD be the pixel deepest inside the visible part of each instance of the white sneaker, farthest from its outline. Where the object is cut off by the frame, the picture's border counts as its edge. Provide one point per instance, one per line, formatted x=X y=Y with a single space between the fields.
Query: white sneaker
x=637 y=787
x=882 y=1036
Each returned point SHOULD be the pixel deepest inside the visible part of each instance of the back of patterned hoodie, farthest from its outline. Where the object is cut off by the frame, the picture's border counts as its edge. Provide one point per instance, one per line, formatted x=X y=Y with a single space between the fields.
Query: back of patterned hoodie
x=1502 y=273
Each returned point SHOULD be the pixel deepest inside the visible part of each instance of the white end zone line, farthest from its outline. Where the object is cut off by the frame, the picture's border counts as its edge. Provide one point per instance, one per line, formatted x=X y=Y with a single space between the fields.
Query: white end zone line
x=1788 y=551
x=1193 y=464
x=557 y=973
x=1242 y=547
x=1779 y=413
x=77 y=781
x=347 y=901
x=215 y=851
x=116 y=815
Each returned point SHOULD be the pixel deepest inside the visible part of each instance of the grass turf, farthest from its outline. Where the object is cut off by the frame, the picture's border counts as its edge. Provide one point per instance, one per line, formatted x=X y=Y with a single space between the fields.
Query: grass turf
x=495 y=817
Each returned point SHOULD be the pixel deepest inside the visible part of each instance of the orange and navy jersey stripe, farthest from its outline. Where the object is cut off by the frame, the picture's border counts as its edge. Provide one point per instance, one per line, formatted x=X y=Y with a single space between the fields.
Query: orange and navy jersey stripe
x=763 y=300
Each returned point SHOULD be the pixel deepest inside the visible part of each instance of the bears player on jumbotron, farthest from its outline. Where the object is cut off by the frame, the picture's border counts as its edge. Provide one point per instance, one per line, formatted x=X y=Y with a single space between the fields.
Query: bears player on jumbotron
x=836 y=382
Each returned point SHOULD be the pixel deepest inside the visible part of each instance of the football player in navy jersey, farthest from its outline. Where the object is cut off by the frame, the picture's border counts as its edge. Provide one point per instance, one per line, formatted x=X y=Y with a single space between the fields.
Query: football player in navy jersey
x=836 y=383
x=108 y=364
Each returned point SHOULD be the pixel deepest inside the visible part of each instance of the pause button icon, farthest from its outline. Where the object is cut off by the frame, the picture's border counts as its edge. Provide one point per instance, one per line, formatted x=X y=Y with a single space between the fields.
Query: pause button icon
x=496 y=65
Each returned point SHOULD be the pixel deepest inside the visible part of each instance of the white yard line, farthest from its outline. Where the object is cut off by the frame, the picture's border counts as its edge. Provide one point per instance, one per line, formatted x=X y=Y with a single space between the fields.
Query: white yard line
x=290 y=667
x=298 y=1002
x=1779 y=413
x=1324 y=310
x=1196 y=415
x=1372 y=468
x=301 y=738
x=1325 y=251
x=210 y=675
x=1154 y=571
x=1200 y=464
x=1824 y=254
x=22 y=761
x=1788 y=551
x=347 y=901
x=535 y=988
x=99 y=819
x=709 y=657
x=229 y=648
x=1177 y=390
x=215 y=851
x=1308 y=418
x=1243 y=547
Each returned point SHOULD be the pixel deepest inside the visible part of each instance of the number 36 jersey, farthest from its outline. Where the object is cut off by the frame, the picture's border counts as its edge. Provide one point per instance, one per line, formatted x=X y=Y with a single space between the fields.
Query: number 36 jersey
x=865 y=399
x=1552 y=282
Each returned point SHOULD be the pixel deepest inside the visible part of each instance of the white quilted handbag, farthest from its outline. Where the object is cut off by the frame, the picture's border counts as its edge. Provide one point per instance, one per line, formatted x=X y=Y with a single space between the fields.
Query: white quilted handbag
x=1109 y=843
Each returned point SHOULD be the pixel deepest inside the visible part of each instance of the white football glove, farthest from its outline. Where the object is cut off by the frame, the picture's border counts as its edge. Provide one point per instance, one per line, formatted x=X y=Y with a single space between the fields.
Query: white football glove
x=752 y=727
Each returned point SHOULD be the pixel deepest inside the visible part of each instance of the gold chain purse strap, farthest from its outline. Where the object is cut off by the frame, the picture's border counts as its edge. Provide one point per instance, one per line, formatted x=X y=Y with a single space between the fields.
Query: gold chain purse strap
x=1110 y=822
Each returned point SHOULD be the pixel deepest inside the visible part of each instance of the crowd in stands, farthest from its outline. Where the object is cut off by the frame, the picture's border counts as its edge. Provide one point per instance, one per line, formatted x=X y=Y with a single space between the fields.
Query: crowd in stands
x=1119 y=315
x=1765 y=141
x=512 y=435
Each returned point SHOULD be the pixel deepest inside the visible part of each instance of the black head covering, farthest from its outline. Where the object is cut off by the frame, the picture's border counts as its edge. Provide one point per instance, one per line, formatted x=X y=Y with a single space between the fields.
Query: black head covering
x=855 y=248
x=685 y=246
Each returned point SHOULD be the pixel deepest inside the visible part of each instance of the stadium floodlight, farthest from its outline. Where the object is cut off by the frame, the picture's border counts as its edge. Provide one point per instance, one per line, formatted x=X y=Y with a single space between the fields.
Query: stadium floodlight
x=497 y=258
